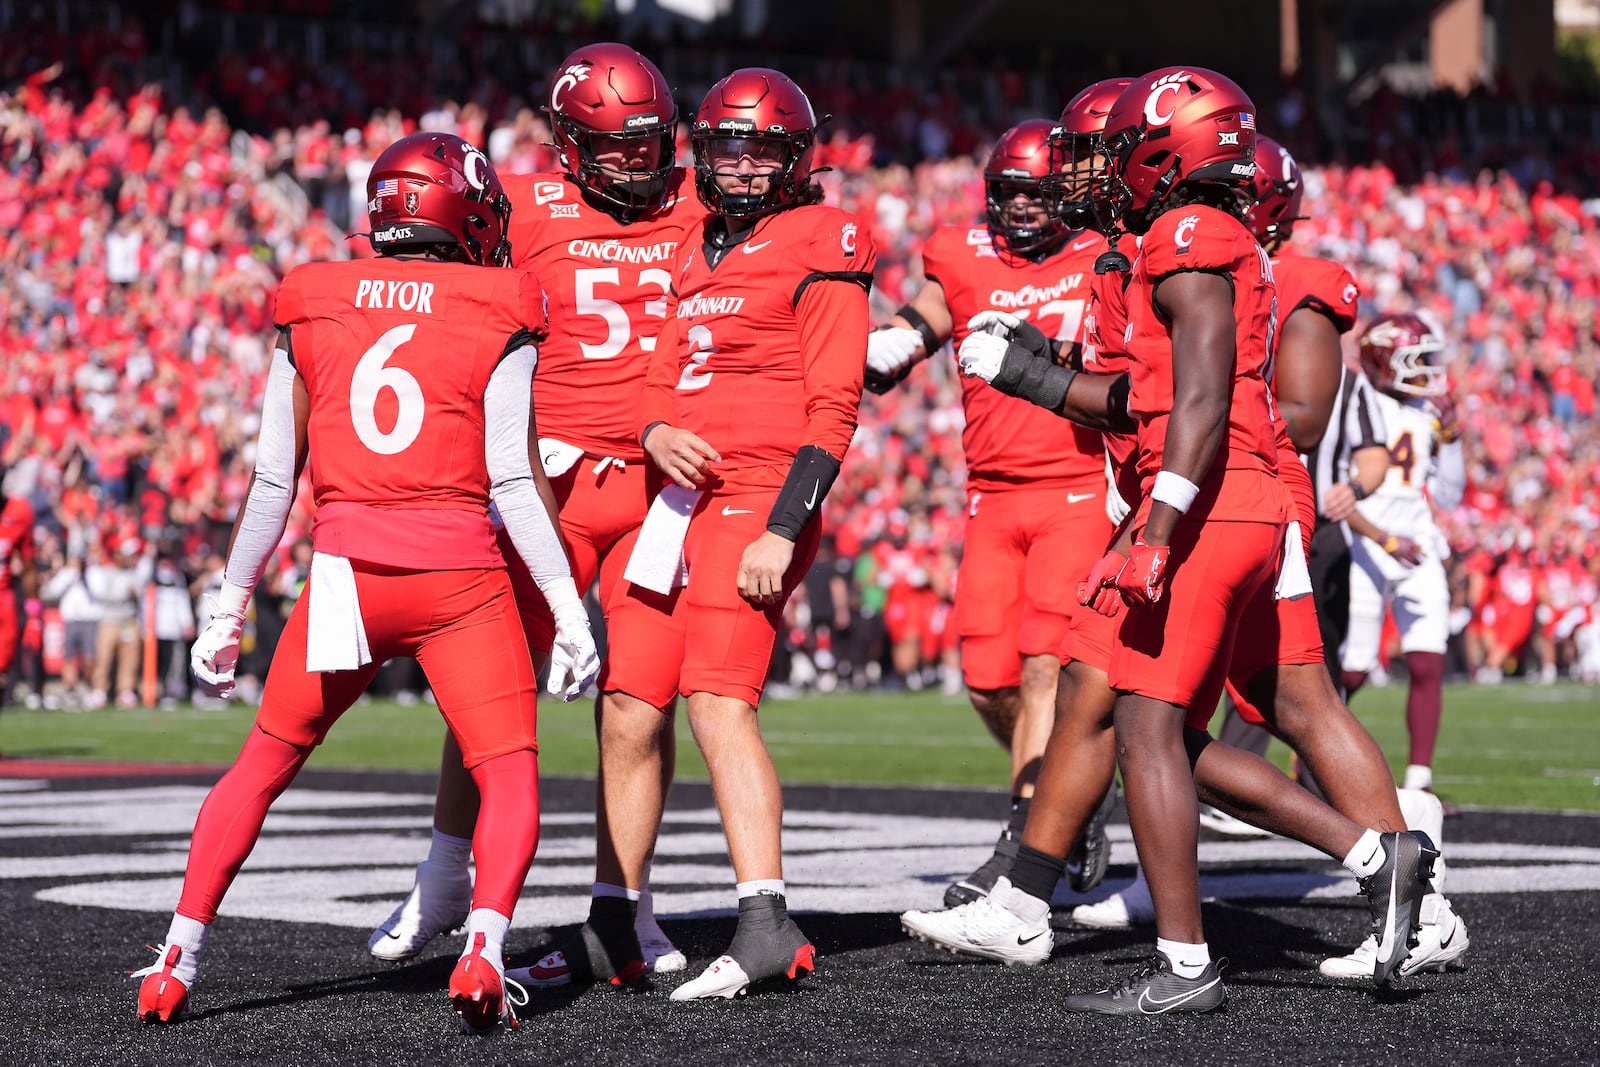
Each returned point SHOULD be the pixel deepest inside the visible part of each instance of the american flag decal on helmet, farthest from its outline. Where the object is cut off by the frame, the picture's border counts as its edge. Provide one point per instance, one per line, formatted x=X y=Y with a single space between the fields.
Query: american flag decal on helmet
x=387 y=187
x=1247 y=121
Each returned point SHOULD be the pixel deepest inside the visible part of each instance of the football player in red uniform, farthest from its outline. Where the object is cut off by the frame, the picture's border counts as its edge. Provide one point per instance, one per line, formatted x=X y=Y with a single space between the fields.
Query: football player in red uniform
x=16 y=544
x=1237 y=498
x=601 y=235
x=1035 y=483
x=749 y=406
x=409 y=378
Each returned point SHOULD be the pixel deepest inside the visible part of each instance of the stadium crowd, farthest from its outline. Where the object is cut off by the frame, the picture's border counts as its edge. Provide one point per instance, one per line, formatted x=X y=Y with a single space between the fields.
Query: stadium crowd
x=143 y=235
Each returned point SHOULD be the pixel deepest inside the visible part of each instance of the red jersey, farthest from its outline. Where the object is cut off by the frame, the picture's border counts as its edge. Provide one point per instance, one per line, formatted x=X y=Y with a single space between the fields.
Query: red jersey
x=1010 y=441
x=767 y=348
x=1105 y=351
x=16 y=536
x=1203 y=238
x=396 y=354
x=607 y=283
x=1319 y=284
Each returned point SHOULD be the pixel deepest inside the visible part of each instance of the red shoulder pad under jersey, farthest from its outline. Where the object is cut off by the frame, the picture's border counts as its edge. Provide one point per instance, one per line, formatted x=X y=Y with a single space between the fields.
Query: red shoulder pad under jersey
x=1197 y=237
x=1009 y=441
x=608 y=283
x=1319 y=284
x=395 y=355
x=840 y=249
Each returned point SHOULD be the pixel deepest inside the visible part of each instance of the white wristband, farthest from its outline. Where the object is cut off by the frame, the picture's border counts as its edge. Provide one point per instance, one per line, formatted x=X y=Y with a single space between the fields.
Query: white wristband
x=1175 y=491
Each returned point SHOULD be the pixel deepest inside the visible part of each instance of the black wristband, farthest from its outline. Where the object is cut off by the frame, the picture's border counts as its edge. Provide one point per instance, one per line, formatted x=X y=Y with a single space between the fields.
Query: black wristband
x=646 y=431
x=1361 y=492
x=810 y=477
x=930 y=340
x=1028 y=377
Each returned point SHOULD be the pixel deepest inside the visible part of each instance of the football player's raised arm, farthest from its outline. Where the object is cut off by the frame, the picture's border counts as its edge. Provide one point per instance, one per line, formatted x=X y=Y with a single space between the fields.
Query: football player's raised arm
x=280 y=456
x=1307 y=370
x=1199 y=305
x=912 y=334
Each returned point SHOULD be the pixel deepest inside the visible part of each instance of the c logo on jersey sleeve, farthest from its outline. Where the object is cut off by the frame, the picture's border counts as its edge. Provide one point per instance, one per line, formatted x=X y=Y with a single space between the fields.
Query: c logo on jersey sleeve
x=847 y=240
x=1184 y=234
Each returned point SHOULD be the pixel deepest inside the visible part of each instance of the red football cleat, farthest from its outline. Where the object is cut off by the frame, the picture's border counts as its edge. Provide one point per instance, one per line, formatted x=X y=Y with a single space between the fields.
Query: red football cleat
x=163 y=998
x=480 y=994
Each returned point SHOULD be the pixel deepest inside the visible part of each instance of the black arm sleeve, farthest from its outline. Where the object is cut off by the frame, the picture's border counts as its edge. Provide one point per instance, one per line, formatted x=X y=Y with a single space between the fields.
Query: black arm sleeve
x=810 y=477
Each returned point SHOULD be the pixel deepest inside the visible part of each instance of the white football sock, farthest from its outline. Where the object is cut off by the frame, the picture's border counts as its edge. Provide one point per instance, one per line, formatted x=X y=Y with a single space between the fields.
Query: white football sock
x=1188 y=961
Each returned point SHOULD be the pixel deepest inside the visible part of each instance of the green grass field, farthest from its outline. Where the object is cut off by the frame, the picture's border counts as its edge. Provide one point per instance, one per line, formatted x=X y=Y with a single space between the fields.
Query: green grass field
x=1508 y=746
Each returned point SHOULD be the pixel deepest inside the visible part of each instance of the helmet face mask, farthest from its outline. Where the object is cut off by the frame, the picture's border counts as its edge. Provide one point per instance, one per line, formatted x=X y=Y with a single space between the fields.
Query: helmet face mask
x=1019 y=204
x=754 y=138
x=1077 y=153
x=433 y=191
x=1403 y=357
x=614 y=123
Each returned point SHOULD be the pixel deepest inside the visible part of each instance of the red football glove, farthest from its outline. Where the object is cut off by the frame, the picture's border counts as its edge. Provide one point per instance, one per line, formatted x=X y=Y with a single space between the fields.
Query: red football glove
x=1144 y=579
x=1099 y=589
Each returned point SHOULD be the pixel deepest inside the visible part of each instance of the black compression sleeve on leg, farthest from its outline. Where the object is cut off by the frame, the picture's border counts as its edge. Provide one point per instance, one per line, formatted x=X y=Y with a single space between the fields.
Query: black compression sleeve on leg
x=810 y=478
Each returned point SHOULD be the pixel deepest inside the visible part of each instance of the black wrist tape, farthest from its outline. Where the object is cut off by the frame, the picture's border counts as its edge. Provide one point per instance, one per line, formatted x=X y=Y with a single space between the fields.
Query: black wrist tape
x=930 y=340
x=810 y=477
x=1038 y=381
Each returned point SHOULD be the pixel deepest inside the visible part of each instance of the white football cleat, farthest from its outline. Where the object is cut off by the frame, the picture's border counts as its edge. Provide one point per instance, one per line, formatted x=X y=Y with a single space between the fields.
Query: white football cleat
x=661 y=956
x=438 y=903
x=1121 y=910
x=1442 y=945
x=1008 y=925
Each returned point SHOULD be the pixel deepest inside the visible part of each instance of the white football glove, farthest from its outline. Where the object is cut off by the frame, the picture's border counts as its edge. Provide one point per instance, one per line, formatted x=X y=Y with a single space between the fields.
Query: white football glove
x=574 y=662
x=215 y=652
x=999 y=323
x=982 y=353
x=891 y=351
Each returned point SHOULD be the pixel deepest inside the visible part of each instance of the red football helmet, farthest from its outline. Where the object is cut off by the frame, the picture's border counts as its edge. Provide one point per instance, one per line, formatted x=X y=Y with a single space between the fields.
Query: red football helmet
x=605 y=98
x=1278 y=191
x=433 y=189
x=1400 y=353
x=1076 y=158
x=1019 y=165
x=759 y=112
x=1174 y=126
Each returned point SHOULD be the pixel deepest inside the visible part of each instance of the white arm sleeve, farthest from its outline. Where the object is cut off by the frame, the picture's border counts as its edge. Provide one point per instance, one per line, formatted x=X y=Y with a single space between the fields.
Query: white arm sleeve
x=1448 y=483
x=507 y=404
x=266 y=509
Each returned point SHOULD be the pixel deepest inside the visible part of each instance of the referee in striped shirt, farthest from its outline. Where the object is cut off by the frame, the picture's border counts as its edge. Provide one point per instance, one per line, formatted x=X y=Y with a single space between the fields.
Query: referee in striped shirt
x=1348 y=463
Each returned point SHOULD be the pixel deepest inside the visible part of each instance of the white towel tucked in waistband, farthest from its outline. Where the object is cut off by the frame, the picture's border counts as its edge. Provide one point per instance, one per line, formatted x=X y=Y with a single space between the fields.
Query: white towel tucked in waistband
x=1294 y=581
x=336 y=639
x=657 y=559
x=557 y=457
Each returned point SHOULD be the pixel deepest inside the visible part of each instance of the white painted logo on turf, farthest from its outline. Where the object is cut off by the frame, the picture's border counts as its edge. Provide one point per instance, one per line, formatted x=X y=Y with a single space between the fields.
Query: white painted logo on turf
x=344 y=858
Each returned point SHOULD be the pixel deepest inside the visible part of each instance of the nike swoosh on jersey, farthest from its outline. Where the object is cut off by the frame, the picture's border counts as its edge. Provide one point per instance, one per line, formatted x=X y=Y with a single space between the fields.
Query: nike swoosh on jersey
x=1078 y=246
x=754 y=248
x=1078 y=498
x=726 y=510
x=1156 y=1007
